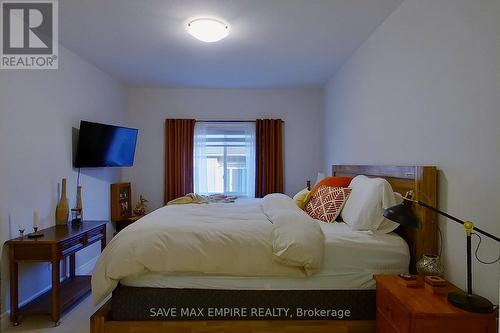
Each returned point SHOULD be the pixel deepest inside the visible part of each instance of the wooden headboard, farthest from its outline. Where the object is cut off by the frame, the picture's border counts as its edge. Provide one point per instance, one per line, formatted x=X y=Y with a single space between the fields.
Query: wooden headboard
x=422 y=180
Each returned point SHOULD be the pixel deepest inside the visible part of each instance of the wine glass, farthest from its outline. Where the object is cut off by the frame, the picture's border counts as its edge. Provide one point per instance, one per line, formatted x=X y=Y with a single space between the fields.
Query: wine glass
x=21 y=229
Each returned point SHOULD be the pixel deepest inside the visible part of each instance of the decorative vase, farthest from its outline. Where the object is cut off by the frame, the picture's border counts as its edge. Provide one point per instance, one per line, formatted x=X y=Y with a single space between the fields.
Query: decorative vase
x=430 y=264
x=62 y=210
x=79 y=204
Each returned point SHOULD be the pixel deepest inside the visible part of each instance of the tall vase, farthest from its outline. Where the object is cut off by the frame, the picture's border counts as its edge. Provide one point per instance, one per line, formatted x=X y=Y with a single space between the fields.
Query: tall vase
x=79 y=204
x=62 y=210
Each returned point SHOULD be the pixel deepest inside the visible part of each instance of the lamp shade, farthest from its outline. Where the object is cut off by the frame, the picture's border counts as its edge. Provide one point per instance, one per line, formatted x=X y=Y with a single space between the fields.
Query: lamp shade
x=403 y=214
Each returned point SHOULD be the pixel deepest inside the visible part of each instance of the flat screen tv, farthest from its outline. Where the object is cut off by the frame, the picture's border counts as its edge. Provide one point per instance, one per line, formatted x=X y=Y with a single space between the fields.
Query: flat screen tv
x=101 y=145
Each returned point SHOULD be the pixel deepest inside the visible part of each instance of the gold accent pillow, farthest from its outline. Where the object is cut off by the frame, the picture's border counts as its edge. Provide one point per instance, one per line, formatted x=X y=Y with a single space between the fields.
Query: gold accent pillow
x=301 y=198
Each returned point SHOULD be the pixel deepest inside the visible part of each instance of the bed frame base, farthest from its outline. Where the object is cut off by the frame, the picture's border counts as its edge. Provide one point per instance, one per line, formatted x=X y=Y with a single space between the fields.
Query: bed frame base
x=100 y=323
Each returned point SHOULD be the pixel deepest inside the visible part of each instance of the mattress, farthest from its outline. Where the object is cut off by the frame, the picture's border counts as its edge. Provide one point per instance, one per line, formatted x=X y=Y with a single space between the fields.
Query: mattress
x=350 y=260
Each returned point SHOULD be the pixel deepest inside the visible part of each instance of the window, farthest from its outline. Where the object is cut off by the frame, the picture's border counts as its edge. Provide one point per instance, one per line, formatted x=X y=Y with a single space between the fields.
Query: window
x=224 y=158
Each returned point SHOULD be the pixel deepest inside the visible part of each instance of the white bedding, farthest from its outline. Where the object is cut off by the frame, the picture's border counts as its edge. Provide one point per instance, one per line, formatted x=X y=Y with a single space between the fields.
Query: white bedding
x=350 y=260
x=237 y=239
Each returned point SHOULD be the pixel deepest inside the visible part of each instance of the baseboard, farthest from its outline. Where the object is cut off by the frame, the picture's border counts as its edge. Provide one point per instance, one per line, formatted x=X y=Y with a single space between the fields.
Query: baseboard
x=85 y=269
x=5 y=316
x=88 y=267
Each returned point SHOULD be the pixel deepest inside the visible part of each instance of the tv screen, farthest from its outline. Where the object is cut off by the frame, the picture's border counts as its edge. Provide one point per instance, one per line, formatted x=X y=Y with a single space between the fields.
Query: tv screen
x=101 y=145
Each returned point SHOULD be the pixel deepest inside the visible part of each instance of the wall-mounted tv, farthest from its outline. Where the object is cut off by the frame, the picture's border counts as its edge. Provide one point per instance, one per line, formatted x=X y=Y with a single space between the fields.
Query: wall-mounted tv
x=101 y=145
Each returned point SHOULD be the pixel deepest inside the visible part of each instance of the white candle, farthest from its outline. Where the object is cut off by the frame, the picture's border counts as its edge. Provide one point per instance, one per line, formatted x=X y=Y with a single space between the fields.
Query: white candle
x=35 y=219
x=10 y=225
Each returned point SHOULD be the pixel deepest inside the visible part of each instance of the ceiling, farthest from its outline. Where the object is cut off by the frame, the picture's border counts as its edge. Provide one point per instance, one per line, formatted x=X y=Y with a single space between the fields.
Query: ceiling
x=273 y=43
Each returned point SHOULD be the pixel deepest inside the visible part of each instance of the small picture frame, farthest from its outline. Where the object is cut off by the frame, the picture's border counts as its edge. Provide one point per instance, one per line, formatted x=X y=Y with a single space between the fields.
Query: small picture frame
x=121 y=201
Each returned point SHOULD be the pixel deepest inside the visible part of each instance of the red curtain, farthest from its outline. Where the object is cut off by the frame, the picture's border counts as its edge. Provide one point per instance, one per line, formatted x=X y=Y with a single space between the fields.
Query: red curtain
x=179 y=145
x=269 y=157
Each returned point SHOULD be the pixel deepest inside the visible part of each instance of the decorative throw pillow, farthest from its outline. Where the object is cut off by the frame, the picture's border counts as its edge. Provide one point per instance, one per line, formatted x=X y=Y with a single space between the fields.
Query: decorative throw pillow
x=331 y=181
x=301 y=198
x=327 y=203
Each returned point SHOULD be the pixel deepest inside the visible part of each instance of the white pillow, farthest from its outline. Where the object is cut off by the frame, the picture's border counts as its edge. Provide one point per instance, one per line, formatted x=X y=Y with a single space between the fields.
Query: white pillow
x=364 y=209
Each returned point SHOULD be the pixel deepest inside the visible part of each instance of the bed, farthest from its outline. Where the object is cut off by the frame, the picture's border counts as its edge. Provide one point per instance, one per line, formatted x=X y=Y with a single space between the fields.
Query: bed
x=343 y=282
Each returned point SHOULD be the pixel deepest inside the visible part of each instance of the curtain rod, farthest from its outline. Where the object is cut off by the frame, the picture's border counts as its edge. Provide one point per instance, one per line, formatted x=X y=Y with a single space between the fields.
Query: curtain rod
x=228 y=121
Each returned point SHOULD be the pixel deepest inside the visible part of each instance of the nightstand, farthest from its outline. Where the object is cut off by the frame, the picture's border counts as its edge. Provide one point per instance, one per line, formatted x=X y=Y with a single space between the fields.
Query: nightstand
x=401 y=309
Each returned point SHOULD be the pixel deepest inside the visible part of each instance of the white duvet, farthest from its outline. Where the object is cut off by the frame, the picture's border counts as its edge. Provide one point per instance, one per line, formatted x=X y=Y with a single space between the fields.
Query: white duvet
x=271 y=237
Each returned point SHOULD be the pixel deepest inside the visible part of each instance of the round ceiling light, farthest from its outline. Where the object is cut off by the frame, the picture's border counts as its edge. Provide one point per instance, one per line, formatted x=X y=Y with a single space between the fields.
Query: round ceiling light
x=208 y=30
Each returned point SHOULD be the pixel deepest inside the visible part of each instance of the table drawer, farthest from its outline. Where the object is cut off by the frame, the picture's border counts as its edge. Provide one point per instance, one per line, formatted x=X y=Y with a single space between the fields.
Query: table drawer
x=95 y=235
x=72 y=245
x=35 y=252
x=383 y=324
x=469 y=324
x=392 y=311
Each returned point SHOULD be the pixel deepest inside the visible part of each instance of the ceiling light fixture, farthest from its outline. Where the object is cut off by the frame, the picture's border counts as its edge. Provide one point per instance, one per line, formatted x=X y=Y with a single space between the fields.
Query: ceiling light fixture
x=208 y=30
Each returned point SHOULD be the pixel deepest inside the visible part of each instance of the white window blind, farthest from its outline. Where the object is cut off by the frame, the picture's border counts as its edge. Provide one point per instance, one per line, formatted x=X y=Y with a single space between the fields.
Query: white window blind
x=224 y=158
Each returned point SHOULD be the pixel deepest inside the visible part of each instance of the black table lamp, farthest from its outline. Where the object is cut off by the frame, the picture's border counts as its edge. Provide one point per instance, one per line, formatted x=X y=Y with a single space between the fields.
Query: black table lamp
x=405 y=215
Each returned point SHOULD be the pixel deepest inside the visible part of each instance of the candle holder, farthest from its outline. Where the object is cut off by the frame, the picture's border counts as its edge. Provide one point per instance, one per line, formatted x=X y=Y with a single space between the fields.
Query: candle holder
x=35 y=233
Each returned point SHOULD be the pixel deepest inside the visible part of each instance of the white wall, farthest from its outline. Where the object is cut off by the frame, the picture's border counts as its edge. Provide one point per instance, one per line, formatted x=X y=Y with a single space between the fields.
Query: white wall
x=425 y=89
x=148 y=109
x=38 y=109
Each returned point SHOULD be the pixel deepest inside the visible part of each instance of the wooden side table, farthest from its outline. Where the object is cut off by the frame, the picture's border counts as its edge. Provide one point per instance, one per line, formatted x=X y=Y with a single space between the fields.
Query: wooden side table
x=58 y=243
x=401 y=309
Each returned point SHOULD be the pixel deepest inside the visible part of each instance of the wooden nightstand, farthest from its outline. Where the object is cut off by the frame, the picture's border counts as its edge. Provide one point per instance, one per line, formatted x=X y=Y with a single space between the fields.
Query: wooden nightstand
x=401 y=309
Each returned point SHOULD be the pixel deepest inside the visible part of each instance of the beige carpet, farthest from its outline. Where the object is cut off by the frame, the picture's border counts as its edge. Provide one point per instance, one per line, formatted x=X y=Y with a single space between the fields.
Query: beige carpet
x=75 y=320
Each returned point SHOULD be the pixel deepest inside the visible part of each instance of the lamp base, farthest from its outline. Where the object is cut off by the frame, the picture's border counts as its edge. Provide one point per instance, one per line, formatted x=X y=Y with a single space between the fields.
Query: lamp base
x=471 y=303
